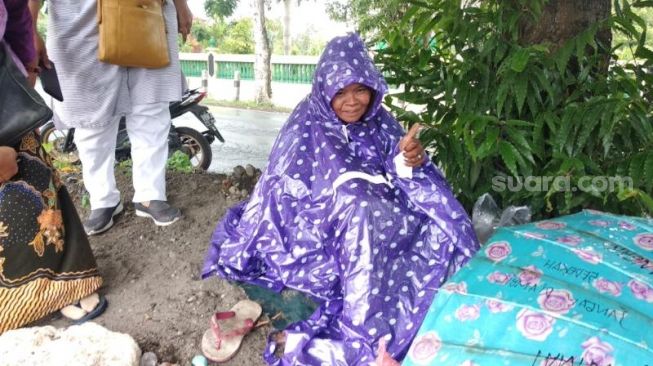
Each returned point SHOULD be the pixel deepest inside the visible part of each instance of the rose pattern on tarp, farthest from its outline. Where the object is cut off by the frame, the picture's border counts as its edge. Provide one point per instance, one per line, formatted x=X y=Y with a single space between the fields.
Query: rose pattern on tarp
x=597 y=353
x=551 y=225
x=454 y=287
x=468 y=312
x=570 y=240
x=644 y=263
x=589 y=255
x=534 y=325
x=497 y=306
x=599 y=223
x=641 y=290
x=644 y=241
x=556 y=301
x=606 y=286
x=499 y=278
x=498 y=251
x=425 y=348
x=627 y=226
x=530 y=276
x=578 y=296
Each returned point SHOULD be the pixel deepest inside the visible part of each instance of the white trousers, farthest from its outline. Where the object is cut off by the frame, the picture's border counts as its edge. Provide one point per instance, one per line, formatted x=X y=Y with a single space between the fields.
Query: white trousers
x=147 y=127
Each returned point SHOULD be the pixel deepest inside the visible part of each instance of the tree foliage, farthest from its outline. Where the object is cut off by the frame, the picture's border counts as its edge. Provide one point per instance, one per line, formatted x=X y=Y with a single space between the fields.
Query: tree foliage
x=220 y=9
x=627 y=46
x=237 y=38
x=308 y=43
x=495 y=108
x=371 y=17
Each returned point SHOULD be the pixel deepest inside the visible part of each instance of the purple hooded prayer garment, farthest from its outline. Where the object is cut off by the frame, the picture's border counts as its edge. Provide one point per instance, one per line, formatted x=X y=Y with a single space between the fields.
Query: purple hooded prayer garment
x=331 y=218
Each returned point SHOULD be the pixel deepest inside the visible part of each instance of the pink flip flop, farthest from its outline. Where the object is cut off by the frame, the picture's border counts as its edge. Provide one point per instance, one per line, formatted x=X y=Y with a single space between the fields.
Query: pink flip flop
x=228 y=328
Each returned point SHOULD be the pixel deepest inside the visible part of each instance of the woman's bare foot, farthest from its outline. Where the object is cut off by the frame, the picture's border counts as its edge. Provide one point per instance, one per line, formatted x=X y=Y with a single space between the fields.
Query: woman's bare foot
x=90 y=302
x=86 y=305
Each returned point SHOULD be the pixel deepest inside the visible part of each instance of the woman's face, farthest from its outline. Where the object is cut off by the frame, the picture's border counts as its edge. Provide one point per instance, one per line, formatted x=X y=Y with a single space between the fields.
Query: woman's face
x=351 y=102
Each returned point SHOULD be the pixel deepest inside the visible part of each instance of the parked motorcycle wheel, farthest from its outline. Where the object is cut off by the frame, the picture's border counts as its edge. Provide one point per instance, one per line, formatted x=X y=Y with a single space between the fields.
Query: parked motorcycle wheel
x=55 y=144
x=195 y=145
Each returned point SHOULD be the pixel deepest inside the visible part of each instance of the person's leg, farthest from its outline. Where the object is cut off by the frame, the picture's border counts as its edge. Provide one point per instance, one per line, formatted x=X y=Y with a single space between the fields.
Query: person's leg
x=148 y=126
x=96 y=147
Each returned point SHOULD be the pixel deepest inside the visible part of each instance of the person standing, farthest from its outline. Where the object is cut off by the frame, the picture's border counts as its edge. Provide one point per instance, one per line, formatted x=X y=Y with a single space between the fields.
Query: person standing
x=96 y=96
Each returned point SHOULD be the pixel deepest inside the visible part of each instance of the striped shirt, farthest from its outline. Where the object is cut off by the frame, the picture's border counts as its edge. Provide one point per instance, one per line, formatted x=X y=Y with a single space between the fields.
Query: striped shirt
x=96 y=93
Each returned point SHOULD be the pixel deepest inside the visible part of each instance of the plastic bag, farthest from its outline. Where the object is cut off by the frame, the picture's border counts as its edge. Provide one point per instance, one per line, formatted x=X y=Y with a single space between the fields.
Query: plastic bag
x=487 y=216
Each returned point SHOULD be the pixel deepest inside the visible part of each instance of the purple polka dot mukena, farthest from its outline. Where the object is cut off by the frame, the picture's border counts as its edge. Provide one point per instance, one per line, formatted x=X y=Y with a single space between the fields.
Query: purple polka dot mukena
x=331 y=218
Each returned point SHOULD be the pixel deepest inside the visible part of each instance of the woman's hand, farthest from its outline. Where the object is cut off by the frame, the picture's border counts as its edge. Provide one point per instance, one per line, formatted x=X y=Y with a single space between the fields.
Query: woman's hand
x=184 y=18
x=8 y=163
x=41 y=51
x=411 y=148
x=39 y=44
x=33 y=71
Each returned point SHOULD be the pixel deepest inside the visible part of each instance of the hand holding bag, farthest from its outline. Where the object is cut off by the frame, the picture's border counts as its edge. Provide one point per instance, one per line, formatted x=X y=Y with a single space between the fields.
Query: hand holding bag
x=21 y=108
x=132 y=33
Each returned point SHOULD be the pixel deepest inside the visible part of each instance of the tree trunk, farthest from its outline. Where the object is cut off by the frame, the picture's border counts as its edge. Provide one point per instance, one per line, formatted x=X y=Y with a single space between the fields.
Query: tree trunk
x=564 y=19
x=262 y=73
x=286 y=26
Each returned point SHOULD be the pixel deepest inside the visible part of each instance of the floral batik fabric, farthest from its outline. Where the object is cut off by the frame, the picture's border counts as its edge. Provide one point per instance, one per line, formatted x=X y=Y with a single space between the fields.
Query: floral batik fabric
x=46 y=261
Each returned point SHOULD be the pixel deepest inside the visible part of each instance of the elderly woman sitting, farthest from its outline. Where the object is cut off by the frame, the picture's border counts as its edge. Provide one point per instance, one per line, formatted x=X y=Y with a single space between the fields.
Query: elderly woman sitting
x=350 y=212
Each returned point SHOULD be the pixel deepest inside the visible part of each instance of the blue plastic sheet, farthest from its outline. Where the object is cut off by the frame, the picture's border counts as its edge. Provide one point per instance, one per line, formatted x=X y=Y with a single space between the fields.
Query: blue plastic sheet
x=572 y=291
x=330 y=217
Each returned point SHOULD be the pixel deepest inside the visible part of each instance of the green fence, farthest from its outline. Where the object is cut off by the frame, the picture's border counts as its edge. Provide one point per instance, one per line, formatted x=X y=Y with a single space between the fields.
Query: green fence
x=192 y=68
x=285 y=73
x=226 y=70
x=293 y=73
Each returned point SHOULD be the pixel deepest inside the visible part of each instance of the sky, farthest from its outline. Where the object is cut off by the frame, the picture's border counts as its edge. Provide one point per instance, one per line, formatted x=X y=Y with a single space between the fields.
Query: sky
x=308 y=13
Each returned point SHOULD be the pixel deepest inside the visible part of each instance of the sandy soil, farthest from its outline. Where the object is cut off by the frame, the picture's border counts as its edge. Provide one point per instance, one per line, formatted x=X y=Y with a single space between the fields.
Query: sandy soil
x=151 y=274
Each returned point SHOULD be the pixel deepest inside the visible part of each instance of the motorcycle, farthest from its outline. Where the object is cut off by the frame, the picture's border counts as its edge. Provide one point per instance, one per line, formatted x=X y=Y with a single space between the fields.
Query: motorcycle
x=195 y=144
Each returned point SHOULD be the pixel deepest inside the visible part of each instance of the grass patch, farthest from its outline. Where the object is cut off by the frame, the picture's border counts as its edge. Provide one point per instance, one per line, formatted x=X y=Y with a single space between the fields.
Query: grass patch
x=248 y=104
x=125 y=167
x=86 y=200
x=179 y=162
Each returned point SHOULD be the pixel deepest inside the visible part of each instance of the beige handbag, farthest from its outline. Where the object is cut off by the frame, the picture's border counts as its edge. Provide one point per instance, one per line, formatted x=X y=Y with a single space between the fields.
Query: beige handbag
x=132 y=33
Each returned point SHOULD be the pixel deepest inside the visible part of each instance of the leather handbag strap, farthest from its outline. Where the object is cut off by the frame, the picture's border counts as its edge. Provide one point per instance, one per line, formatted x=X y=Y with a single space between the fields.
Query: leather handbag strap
x=99 y=11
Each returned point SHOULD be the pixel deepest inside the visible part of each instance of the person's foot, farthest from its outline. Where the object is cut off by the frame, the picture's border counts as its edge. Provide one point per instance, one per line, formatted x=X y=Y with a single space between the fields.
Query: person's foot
x=101 y=219
x=160 y=211
x=85 y=309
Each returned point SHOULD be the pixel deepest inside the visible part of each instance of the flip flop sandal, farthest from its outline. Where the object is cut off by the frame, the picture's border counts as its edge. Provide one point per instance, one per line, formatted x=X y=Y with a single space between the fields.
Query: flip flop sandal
x=222 y=341
x=88 y=315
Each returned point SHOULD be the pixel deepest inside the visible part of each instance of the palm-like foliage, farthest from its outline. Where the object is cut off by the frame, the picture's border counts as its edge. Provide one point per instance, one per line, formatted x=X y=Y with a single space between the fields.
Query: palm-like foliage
x=496 y=108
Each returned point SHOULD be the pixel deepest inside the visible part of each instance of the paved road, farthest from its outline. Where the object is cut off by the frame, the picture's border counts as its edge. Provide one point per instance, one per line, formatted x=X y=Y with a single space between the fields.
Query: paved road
x=248 y=136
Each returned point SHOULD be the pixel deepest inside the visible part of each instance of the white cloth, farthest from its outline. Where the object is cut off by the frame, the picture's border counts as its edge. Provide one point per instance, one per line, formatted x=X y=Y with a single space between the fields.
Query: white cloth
x=95 y=93
x=147 y=126
x=403 y=170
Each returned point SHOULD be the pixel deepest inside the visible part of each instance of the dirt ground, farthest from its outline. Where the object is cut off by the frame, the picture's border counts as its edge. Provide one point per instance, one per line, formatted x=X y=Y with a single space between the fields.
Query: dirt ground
x=152 y=274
